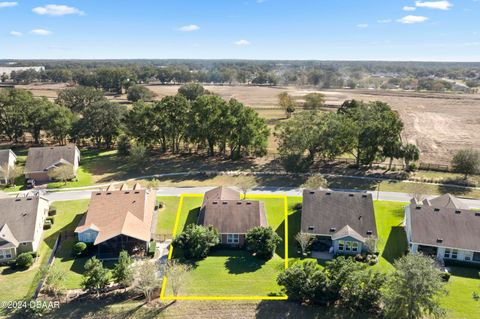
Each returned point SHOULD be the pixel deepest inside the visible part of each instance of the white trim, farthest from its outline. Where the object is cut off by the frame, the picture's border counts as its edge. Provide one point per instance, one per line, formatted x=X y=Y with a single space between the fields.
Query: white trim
x=439 y=246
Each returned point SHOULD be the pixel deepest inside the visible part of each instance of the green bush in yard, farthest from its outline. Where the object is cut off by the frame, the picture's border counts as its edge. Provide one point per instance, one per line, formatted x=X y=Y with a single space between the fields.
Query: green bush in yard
x=196 y=241
x=262 y=241
x=79 y=248
x=24 y=260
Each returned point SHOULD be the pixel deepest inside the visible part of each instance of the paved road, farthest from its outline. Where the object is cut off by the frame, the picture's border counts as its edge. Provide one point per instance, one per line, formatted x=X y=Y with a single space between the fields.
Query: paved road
x=176 y=191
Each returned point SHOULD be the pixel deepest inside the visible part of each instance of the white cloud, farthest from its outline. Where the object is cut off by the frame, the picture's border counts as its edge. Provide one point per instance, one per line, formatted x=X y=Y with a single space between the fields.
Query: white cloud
x=189 y=28
x=8 y=4
x=57 y=10
x=384 y=21
x=16 y=33
x=362 y=25
x=40 y=32
x=409 y=8
x=439 y=5
x=242 y=42
x=410 y=19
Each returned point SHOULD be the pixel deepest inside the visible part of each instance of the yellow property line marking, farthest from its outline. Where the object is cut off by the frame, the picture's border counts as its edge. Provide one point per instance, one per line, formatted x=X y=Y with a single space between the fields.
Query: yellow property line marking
x=170 y=253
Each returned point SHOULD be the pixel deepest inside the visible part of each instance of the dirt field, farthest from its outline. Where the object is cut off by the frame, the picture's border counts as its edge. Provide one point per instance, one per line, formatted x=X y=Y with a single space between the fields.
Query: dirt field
x=439 y=124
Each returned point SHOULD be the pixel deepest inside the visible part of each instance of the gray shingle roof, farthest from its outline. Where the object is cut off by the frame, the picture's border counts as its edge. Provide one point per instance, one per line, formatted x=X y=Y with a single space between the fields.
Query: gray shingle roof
x=327 y=213
x=223 y=209
x=41 y=158
x=445 y=227
x=17 y=218
x=446 y=200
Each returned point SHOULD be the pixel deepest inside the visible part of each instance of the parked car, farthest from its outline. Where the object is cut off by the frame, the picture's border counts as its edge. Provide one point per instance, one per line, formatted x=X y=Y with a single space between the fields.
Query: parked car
x=30 y=183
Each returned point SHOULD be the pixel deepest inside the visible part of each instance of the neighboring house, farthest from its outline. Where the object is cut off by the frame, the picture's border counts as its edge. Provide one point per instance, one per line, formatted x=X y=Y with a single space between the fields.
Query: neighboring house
x=232 y=217
x=443 y=228
x=119 y=220
x=7 y=160
x=341 y=221
x=21 y=224
x=41 y=160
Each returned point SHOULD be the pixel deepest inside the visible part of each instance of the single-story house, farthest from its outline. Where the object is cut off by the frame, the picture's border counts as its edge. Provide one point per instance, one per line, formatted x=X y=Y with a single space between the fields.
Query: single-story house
x=341 y=221
x=7 y=162
x=444 y=229
x=223 y=209
x=119 y=219
x=21 y=224
x=41 y=160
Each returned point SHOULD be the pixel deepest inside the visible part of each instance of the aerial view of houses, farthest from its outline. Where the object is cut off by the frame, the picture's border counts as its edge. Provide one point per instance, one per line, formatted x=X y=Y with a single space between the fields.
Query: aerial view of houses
x=240 y=159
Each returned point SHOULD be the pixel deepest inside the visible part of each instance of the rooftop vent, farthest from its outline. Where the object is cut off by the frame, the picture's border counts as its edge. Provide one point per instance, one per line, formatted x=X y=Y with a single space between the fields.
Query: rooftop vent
x=418 y=207
x=224 y=203
x=215 y=203
x=351 y=195
x=249 y=203
x=458 y=212
x=239 y=203
x=17 y=199
x=477 y=214
x=137 y=192
x=127 y=192
x=369 y=232
x=29 y=198
x=311 y=227
x=439 y=240
x=312 y=192
x=436 y=209
x=328 y=193
x=333 y=229
x=98 y=194
x=364 y=195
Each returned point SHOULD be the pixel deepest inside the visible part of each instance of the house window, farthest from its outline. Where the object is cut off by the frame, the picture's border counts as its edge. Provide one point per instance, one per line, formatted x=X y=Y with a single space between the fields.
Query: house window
x=454 y=254
x=348 y=246
x=233 y=238
x=468 y=255
x=341 y=244
x=447 y=253
x=354 y=246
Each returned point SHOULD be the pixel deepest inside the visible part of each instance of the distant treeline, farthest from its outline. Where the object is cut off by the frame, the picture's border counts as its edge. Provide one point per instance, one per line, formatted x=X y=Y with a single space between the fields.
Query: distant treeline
x=116 y=74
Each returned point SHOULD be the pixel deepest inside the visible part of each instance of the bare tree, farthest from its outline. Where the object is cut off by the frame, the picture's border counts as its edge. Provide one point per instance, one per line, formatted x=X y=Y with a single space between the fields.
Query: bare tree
x=147 y=280
x=175 y=273
x=10 y=173
x=62 y=173
x=54 y=282
x=315 y=182
x=371 y=244
x=304 y=240
x=245 y=183
x=418 y=191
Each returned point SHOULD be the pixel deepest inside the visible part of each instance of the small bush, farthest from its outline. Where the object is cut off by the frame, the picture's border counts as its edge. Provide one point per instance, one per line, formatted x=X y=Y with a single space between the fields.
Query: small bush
x=51 y=219
x=79 y=248
x=47 y=225
x=52 y=212
x=412 y=167
x=360 y=258
x=445 y=276
x=24 y=260
x=123 y=145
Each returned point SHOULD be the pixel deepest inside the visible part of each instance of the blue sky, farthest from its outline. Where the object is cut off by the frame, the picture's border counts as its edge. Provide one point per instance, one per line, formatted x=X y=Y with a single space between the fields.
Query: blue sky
x=246 y=29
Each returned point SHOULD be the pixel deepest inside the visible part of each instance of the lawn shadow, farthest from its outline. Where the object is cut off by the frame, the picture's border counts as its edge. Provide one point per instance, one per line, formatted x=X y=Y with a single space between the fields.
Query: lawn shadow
x=352 y=183
x=192 y=217
x=285 y=309
x=471 y=272
x=240 y=262
x=396 y=244
x=457 y=191
x=294 y=221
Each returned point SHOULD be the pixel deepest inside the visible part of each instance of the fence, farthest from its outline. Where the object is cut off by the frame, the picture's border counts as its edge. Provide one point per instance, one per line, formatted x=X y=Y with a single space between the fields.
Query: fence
x=50 y=261
x=162 y=237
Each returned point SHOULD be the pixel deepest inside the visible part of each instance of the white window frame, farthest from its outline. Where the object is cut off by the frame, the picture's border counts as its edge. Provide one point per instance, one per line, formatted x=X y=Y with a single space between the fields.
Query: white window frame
x=341 y=245
x=348 y=246
x=454 y=254
x=233 y=238
x=447 y=253
x=355 y=246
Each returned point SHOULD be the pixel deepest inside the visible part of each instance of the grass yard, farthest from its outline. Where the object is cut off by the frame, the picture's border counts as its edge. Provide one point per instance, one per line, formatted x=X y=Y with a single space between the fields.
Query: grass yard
x=166 y=215
x=68 y=215
x=234 y=272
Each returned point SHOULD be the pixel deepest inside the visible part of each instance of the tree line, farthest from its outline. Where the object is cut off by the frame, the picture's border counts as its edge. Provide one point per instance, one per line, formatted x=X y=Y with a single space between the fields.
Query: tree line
x=369 y=132
x=194 y=120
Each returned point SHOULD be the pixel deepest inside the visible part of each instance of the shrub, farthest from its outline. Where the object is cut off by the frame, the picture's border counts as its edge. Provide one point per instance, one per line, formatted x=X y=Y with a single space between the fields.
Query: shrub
x=52 y=212
x=51 y=219
x=262 y=241
x=445 y=276
x=79 y=248
x=123 y=145
x=24 y=260
x=196 y=241
x=47 y=225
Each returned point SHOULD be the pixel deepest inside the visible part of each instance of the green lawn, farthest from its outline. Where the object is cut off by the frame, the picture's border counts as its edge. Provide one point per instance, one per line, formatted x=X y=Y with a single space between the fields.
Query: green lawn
x=166 y=215
x=84 y=178
x=227 y=272
x=68 y=215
